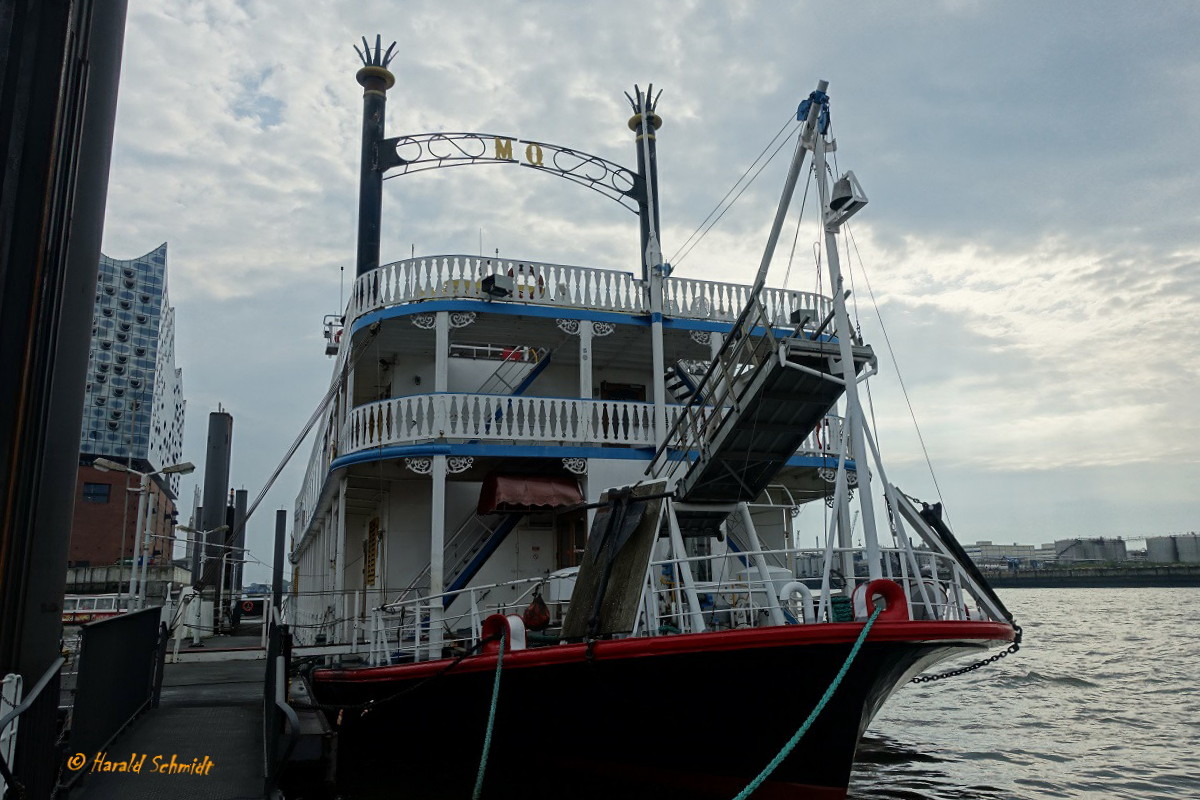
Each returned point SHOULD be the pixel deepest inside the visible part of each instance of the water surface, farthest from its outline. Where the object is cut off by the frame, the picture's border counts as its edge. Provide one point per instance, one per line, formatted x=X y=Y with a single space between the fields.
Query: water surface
x=1102 y=701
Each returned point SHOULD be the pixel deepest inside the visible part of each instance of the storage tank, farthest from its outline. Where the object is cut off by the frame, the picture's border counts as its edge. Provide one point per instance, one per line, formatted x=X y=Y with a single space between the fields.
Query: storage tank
x=1187 y=546
x=1091 y=549
x=1161 y=550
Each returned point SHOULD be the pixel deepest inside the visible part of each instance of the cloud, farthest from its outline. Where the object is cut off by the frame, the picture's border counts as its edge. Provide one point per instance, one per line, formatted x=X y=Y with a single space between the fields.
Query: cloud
x=1031 y=237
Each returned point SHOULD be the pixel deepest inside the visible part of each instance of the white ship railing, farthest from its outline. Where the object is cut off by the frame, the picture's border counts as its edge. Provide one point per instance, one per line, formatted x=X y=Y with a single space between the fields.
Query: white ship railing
x=465 y=417
x=492 y=417
x=722 y=302
x=460 y=277
x=737 y=598
x=489 y=417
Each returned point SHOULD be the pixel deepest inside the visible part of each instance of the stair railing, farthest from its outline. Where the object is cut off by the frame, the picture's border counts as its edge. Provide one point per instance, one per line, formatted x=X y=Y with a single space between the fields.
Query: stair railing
x=716 y=396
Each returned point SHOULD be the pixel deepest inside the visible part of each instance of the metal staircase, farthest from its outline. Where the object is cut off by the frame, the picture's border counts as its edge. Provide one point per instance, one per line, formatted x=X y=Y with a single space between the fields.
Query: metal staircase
x=514 y=373
x=465 y=552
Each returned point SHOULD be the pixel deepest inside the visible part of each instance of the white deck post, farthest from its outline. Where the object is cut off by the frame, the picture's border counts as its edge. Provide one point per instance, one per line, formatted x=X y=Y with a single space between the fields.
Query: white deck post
x=585 y=359
x=685 y=570
x=339 y=572
x=657 y=354
x=760 y=562
x=441 y=346
x=437 y=550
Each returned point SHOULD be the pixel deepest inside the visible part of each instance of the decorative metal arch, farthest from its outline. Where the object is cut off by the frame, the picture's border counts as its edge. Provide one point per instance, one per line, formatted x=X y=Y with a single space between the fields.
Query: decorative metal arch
x=424 y=151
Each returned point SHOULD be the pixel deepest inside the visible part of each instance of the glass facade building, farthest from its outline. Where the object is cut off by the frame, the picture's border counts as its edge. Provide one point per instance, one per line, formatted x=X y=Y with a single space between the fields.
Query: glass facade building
x=134 y=407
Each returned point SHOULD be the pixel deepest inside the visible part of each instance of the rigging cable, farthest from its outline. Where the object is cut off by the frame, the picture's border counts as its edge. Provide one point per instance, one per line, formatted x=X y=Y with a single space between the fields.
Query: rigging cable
x=899 y=376
x=676 y=258
x=798 y=735
x=796 y=238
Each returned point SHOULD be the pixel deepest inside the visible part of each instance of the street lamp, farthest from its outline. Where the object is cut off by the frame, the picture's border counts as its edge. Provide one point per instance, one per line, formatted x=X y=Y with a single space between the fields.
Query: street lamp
x=199 y=537
x=105 y=465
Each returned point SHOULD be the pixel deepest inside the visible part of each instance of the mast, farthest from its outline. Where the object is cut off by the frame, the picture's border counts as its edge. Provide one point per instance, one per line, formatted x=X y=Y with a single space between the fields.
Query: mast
x=375 y=79
x=845 y=335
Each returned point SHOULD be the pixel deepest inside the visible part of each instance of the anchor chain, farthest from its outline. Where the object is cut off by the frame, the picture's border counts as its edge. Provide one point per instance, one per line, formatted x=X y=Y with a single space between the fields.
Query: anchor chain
x=1012 y=648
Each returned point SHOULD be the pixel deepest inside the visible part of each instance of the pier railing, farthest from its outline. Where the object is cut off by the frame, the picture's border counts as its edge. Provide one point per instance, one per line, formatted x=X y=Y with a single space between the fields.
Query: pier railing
x=460 y=277
x=120 y=674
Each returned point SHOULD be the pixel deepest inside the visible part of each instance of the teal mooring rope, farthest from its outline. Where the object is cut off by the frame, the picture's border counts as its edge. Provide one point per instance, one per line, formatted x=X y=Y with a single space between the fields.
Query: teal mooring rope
x=791 y=743
x=487 y=737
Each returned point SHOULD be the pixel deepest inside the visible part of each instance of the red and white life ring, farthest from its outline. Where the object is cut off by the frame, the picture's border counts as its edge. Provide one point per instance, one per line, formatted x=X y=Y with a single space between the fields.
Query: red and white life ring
x=521 y=288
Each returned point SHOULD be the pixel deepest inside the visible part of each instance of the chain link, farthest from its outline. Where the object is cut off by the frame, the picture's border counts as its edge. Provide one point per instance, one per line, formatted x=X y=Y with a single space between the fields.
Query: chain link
x=1012 y=648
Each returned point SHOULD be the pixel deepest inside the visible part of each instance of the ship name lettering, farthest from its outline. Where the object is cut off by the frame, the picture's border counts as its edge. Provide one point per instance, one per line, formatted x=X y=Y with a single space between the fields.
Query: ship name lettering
x=504 y=149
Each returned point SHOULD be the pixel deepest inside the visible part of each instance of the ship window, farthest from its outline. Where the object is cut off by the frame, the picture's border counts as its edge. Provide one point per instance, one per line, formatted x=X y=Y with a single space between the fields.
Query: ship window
x=96 y=492
x=87 y=604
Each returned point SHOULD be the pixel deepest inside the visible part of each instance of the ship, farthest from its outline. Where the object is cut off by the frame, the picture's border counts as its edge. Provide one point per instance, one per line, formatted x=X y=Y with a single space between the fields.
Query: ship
x=555 y=524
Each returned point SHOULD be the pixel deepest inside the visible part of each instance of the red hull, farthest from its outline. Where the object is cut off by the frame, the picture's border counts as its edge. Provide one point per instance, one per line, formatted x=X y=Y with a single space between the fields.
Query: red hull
x=688 y=716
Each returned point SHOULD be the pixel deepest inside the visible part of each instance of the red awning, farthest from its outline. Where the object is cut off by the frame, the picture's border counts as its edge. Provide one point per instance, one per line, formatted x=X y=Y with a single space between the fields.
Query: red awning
x=527 y=493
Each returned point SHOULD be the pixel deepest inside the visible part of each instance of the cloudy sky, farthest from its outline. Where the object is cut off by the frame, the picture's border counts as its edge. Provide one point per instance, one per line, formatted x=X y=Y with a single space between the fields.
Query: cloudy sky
x=1031 y=246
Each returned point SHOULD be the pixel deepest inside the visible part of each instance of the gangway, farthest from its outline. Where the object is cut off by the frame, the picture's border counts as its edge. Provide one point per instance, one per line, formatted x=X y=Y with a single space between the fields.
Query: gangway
x=761 y=397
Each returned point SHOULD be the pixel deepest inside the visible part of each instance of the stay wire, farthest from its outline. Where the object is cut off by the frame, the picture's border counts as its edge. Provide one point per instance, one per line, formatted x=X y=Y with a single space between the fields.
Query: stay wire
x=677 y=258
x=799 y=221
x=899 y=376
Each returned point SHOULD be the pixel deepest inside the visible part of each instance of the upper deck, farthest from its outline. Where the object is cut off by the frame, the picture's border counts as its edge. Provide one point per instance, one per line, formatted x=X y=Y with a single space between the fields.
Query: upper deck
x=566 y=291
x=416 y=390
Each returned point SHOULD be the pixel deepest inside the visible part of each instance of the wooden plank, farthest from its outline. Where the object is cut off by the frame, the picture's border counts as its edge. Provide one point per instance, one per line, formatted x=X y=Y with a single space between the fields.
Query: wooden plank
x=614 y=570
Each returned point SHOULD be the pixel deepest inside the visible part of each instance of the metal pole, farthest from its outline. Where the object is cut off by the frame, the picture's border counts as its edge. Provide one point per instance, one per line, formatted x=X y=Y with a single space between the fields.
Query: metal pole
x=144 y=489
x=151 y=510
x=789 y=188
x=854 y=418
x=277 y=565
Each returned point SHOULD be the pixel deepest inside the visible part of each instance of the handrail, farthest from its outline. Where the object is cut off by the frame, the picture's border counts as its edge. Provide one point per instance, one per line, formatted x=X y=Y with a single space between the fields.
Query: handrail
x=10 y=781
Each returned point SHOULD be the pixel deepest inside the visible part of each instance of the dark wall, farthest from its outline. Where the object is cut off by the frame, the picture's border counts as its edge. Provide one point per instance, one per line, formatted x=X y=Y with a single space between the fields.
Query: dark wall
x=59 y=67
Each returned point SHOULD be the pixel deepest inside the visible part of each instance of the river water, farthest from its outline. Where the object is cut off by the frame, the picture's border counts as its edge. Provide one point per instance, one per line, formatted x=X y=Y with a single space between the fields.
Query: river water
x=1102 y=701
